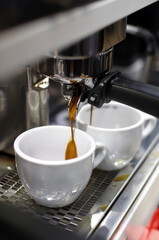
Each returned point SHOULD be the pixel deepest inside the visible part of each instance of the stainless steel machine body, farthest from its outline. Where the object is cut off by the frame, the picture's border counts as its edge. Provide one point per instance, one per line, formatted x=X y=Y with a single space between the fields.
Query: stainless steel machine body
x=21 y=107
x=80 y=62
x=86 y=58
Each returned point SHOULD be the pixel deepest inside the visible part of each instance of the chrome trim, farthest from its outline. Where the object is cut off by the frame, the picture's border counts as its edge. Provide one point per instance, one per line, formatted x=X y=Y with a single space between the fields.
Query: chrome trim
x=130 y=190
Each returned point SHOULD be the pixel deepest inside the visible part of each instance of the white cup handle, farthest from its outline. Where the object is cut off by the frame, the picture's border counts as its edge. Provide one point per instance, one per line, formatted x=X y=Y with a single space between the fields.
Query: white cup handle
x=149 y=126
x=100 y=154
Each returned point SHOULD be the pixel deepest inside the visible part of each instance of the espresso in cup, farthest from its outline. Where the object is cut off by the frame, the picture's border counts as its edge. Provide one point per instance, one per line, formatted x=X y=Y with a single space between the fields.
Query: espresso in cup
x=40 y=160
x=119 y=127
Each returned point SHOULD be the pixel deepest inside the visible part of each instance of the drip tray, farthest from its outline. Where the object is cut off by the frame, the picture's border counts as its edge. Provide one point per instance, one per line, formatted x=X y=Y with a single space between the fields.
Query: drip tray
x=12 y=192
x=101 y=194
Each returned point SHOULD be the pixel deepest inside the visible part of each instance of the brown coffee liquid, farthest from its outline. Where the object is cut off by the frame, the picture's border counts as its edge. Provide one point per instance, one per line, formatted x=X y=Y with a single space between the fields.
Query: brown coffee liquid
x=71 y=149
x=91 y=113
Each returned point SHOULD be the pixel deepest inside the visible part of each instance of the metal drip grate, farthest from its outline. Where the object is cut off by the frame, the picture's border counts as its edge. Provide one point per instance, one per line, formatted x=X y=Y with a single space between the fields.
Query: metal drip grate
x=12 y=192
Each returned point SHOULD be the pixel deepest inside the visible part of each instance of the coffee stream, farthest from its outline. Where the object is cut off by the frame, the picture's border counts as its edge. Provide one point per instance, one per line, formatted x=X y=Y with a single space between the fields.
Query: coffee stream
x=91 y=113
x=71 y=149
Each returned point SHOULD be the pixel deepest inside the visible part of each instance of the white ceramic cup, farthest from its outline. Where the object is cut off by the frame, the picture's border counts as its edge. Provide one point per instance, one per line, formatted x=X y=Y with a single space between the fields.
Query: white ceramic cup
x=49 y=179
x=119 y=127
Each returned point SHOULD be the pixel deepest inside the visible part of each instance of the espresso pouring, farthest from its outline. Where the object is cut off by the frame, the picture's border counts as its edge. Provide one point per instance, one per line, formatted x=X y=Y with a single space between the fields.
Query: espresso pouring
x=71 y=149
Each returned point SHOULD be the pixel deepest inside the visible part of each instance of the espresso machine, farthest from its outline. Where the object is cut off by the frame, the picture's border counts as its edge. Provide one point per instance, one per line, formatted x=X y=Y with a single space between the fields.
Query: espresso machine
x=70 y=45
x=84 y=69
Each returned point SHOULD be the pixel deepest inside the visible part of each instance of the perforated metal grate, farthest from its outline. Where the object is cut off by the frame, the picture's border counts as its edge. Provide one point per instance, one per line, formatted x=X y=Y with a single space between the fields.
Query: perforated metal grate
x=12 y=192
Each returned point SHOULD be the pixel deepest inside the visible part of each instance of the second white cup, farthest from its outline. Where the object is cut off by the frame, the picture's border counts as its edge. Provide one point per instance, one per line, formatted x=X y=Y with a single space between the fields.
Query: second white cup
x=119 y=127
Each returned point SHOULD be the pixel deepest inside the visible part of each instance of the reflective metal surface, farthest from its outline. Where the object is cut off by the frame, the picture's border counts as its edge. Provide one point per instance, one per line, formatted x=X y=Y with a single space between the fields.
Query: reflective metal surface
x=37 y=105
x=81 y=70
x=139 y=176
x=22 y=106
x=12 y=114
x=141 y=211
x=85 y=59
x=96 y=43
x=75 y=70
